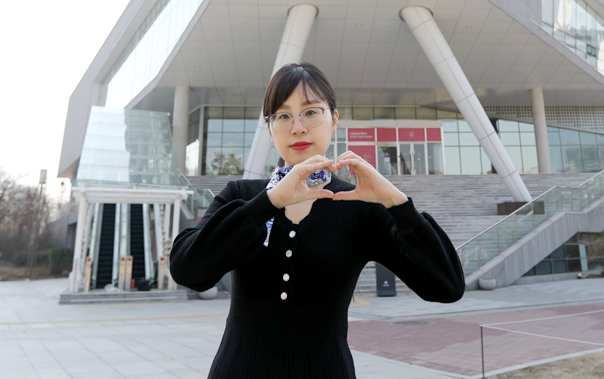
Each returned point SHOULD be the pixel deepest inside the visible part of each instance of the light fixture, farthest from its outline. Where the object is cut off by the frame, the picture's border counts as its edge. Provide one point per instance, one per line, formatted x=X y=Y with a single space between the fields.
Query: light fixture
x=359 y=25
x=244 y=23
x=401 y=68
x=197 y=66
x=468 y=26
x=567 y=70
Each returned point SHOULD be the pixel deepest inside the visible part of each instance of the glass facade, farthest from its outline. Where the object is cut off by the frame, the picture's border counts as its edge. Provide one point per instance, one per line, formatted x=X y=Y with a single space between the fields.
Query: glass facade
x=128 y=146
x=148 y=50
x=518 y=138
x=583 y=252
x=575 y=151
x=578 y=27
x=463 y=154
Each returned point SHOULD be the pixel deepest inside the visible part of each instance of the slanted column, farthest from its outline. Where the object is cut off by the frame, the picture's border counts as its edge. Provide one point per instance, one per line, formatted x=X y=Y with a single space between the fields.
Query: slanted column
x=545 y=164
x=436 y=48
x=180 y=125
x=300 y=19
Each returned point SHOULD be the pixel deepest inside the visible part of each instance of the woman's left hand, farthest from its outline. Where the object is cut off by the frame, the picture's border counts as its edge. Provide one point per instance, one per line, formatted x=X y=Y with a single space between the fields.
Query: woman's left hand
x=371 y=185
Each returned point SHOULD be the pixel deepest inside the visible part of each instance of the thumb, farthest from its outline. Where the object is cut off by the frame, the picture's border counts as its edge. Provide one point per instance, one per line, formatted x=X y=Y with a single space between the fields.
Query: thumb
x=320 y=194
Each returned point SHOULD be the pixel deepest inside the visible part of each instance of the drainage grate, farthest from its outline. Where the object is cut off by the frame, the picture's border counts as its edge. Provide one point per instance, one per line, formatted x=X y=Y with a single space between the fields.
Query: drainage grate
x=411 y=322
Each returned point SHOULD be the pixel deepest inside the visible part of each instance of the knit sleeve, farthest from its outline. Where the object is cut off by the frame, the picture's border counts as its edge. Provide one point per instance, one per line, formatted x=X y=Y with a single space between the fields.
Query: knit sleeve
x=230 y=233
x=418 y=251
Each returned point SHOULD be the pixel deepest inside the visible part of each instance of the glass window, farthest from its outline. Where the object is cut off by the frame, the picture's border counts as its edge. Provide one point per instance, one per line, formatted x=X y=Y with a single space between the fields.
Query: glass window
x=510 y=139
x=558 y=253
x=516 y=156
x=591 y=158
x=213 y=160
x=384 y=113
x=572 y=251
x=587 y=138
x=452 y=163
x=470 y=160
x=529 y=160
x=248 y=139
x=560 y=266
x=569 y=137
x=527 y=139
x=405 y=113
x=507 y=126
x=232 y=139
x=524 y=127
x=451 y=139
x=463 y=126
x=468 y=139
x=232 y=161
x=446 y=115
x=214 y=139
x=544 y=268
x=213 y=112
x=362 y=113
x=547 y=12
x=435 y=159
x=252 y=113
x=329 y=154
x=272 y=161
x=341 y=134
x=555 y=156
x=451 y=126
x=251 y=125
x=486 y=163
x=600 y=139
x=425 y=114
x=387 y=160
x=553 y=138
x=345 y=113
x=571 y=156
x=214 y=125
x=596 y=264
x=233 y=125
x=574 y=265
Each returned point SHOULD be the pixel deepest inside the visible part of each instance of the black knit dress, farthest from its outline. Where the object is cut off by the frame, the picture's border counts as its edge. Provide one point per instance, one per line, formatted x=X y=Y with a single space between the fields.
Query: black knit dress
x=289 y=301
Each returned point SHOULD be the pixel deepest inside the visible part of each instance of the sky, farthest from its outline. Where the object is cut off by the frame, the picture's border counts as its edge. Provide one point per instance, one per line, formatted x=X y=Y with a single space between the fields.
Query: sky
x=46 y=47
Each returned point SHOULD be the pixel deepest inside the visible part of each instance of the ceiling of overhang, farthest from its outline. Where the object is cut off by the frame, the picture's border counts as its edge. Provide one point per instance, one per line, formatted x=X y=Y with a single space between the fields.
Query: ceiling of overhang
x=370 y=56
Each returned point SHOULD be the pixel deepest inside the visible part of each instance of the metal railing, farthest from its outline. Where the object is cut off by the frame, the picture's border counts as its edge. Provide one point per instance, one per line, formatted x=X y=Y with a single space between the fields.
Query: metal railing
x=489 y=244
x=196 y=204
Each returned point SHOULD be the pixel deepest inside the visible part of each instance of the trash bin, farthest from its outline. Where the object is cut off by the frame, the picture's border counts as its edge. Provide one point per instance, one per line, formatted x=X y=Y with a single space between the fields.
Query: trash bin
x=384 y=281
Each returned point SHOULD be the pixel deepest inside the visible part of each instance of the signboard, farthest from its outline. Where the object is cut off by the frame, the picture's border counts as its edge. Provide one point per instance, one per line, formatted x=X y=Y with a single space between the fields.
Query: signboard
x=361 y=135
x=365 y=152
x=433 y=134
x=411 y=135
x=386 y=135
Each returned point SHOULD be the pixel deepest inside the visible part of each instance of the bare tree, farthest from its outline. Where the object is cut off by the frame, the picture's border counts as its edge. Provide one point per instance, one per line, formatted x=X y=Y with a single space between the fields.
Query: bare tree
x=7 y=184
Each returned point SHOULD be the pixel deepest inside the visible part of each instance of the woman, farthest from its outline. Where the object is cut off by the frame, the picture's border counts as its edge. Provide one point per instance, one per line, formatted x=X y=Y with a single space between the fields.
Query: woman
x=297 y=243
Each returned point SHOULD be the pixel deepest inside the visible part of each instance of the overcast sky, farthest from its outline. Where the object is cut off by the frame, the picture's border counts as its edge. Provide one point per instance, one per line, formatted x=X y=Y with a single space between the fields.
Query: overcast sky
x=46 y=47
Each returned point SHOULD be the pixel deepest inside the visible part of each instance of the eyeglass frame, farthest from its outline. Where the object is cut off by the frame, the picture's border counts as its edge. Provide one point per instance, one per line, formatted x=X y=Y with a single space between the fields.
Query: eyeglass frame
x=268 y=119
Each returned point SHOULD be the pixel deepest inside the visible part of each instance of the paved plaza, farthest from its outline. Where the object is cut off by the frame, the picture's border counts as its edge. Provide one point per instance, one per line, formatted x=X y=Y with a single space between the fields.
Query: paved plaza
x=399 y=337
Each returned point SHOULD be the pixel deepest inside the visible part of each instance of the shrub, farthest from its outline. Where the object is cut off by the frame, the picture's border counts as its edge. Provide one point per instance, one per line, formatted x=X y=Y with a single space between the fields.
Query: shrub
x=60 y=259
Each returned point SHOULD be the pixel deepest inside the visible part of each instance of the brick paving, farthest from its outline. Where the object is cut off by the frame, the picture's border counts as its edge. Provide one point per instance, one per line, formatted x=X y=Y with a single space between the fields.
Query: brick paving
x=452 y=344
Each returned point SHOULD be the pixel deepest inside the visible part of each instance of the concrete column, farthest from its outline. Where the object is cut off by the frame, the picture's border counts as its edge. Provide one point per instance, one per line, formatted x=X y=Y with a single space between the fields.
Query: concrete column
x=436 y=48
x=180 y=125
x=545 y=164
x=77 y=251
x=300 y=19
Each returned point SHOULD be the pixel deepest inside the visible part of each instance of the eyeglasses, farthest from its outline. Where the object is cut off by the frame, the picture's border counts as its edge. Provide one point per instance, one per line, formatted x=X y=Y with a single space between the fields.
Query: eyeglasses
x=281 y=122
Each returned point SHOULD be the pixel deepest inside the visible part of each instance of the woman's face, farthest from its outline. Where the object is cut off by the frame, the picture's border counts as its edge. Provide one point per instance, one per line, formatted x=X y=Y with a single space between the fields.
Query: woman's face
x=299 y=142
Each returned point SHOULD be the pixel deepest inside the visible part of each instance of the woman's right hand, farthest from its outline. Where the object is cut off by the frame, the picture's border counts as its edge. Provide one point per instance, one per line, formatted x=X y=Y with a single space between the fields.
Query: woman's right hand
x=292 y=189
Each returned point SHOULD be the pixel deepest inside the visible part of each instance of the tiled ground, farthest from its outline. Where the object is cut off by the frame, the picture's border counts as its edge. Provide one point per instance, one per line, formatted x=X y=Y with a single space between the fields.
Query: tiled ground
x=452 y=344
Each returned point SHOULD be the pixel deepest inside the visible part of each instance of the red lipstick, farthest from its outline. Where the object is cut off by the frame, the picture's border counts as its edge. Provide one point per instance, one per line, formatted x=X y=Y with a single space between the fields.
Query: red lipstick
x=301 y=145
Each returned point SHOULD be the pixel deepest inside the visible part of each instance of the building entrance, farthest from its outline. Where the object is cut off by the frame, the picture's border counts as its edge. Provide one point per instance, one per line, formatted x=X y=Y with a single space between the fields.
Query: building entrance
x=412 y=158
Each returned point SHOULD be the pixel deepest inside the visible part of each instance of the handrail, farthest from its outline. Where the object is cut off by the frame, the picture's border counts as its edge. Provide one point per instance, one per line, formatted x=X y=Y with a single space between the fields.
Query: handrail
x=507 y=217
x=493 y=241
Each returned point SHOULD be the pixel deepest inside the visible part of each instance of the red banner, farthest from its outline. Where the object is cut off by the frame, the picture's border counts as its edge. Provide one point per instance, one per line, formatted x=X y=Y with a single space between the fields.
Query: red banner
x=386 y=135
x=433 y=134
x=361 y=135
x=411 y=135
x=365 y=152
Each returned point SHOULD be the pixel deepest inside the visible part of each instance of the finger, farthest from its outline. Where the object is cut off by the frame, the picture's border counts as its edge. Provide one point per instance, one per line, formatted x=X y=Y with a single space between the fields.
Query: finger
x=305 y=170
x=346 y=195
x=354 y=163
x=320 y=194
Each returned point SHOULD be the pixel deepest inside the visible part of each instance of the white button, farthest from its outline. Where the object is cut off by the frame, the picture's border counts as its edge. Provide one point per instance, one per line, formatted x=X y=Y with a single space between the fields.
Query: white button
x=288 y=253
x=292 y=234
x=285 y=277
x=283 y=295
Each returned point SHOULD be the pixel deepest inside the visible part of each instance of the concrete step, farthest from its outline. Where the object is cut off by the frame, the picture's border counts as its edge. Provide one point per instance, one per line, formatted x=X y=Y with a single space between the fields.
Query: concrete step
x=102 y=296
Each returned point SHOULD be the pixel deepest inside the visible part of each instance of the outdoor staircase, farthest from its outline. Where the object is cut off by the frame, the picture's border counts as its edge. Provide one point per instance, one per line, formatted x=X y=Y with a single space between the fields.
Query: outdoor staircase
x=463 y=205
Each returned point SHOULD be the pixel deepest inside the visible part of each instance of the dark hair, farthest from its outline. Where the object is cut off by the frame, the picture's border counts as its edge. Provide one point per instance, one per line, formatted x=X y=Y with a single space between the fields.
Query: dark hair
x=286 y=80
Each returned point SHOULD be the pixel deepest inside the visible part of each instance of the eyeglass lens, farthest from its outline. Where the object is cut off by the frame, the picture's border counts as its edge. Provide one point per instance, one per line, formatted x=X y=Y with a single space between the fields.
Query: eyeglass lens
x=311 y=118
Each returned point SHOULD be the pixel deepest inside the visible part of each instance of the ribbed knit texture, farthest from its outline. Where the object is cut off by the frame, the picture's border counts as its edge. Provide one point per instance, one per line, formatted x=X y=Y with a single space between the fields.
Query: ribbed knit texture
x=304 y=336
